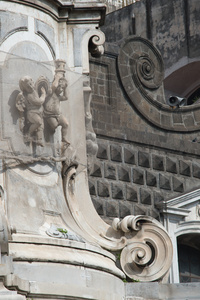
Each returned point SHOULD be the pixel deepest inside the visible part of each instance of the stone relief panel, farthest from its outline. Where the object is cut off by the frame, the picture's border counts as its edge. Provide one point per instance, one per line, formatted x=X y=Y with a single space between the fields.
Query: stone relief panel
x=35 y=145
x=20 y=97
x=40 y=102
x=32 y=103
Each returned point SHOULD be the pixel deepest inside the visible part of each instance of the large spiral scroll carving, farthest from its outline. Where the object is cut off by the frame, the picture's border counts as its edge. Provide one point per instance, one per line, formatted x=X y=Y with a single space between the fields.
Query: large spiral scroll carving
x=140 y=59
x=145 y=246
x=141 y=71
x=148 y=253
x=148 y=69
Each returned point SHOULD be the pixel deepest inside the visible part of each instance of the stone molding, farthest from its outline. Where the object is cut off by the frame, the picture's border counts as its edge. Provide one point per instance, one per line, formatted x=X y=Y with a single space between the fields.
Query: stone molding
x=66 y=11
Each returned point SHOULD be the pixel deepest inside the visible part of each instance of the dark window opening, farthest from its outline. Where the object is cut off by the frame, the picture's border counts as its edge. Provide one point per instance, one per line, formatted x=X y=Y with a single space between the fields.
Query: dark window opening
x=189 y=260
x=194 y=98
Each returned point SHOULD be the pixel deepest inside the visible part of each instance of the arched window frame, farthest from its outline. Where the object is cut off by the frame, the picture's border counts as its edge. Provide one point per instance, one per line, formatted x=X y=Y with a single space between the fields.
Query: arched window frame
x=181 y=215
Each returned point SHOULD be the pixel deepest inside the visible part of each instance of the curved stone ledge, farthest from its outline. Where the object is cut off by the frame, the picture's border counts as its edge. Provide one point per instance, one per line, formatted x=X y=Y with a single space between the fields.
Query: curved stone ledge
x=33 y=239
x=65 y=255
x=65 y=282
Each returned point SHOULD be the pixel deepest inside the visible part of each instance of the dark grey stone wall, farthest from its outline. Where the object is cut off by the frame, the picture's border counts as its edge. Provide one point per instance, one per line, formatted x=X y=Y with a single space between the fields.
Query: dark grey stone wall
x=172 y=26
x=128 y=178
x=140 y=164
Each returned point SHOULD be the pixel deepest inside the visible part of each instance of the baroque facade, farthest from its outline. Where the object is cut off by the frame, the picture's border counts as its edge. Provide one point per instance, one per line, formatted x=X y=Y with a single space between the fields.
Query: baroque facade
x=54 y=244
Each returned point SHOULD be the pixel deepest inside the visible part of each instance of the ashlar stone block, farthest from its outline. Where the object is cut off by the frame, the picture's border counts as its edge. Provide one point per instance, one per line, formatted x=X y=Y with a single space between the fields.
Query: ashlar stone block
x=154 y=213
x=110 y=171
x=102 y=151
x=158 y=197
x=116 y=153
x=196 y=170
x=185 y=168
x=139 y=210
x=178 y=185
x=117 y=191
x=143 y=159
x=124 y=209
x=96 y=170
x=124 y=173
x=138 y=176
x=158 y=162
x=131 y=193
x=103 y=189
x=129 y=156
x=171 y=165
x=145 y=196
x=164 y=181
x=112 y=209
x=151 y=179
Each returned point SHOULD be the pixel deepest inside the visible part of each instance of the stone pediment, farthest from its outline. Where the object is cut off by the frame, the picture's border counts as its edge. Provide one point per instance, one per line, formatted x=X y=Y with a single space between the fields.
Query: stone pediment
x=185 y=207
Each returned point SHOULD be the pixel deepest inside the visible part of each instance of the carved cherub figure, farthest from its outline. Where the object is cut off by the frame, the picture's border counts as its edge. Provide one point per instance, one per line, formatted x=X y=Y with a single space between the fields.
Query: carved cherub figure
x=52 y=110
x=32 y=104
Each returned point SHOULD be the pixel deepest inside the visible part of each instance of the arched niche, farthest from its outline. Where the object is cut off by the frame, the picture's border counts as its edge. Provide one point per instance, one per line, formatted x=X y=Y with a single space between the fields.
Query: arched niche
x=24 y=58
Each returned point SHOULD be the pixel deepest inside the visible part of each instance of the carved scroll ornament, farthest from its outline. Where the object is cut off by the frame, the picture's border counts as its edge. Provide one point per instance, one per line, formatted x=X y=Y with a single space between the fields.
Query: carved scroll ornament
x=141 y=72
x=96 y=45
x=146 y=249
x=147 y=255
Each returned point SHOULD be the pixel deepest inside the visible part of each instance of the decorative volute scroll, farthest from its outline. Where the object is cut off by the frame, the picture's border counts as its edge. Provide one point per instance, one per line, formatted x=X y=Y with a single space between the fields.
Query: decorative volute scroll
x=141 y=72
x=93 y=40
x=146 y=249
x=96 y=45
x=148 y=253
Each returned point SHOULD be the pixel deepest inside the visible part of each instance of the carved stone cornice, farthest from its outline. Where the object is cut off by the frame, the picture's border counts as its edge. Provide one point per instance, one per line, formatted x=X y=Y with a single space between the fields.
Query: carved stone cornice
x=67 y=10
